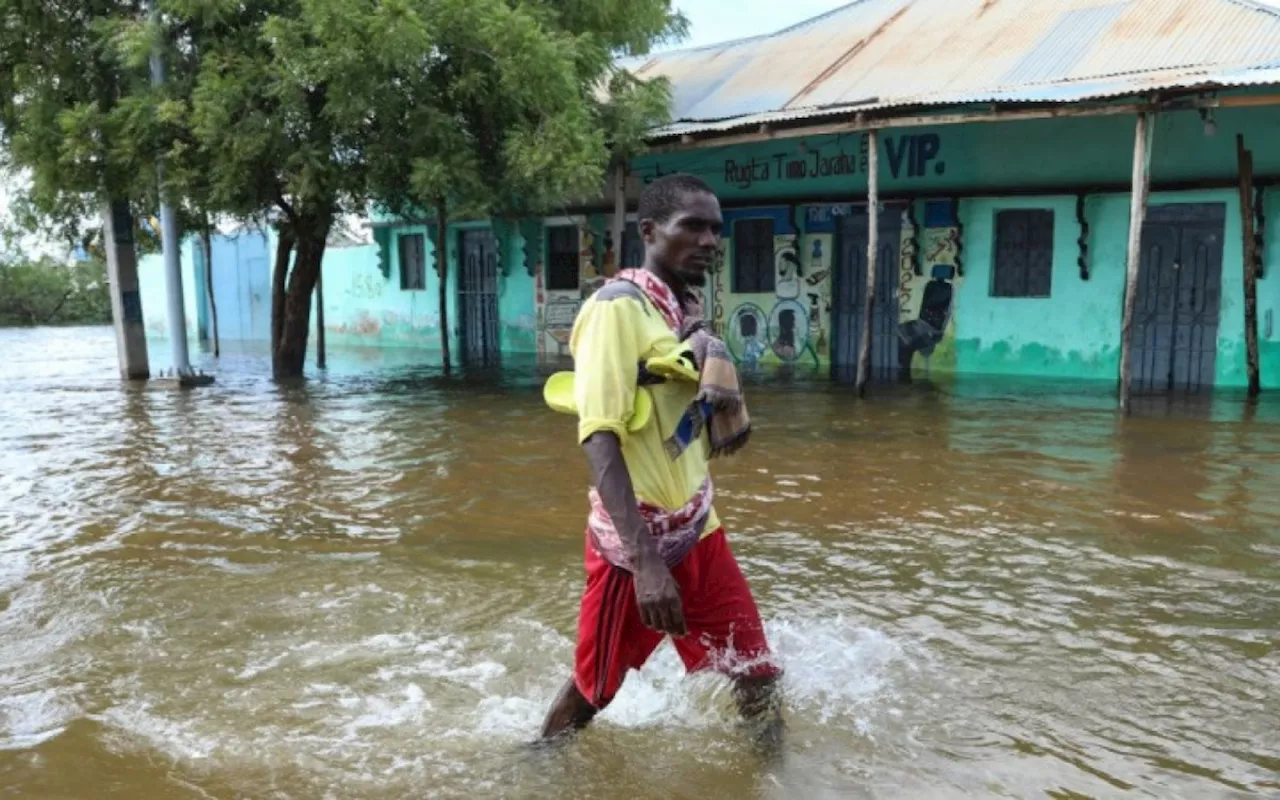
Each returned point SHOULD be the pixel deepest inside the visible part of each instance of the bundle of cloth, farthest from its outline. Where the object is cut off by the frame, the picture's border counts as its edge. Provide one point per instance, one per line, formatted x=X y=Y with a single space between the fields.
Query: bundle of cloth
x=702 y=357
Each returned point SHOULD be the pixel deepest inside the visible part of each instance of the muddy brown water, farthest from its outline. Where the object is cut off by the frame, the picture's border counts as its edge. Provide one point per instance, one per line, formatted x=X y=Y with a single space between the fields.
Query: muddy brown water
x=365 y=587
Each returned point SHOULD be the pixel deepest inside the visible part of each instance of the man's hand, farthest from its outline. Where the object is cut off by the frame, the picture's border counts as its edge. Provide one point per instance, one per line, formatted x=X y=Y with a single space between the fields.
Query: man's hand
x=657 y=593
x=658 y=596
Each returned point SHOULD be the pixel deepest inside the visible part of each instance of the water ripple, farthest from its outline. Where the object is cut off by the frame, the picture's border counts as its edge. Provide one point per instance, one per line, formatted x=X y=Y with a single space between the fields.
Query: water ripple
x=366 y=585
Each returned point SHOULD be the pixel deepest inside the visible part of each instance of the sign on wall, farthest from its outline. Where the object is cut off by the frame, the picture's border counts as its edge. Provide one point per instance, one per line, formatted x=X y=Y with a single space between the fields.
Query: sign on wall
x=912 y=155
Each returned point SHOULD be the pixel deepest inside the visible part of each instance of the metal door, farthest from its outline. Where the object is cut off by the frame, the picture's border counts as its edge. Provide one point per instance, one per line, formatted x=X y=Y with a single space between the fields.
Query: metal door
x=1177 y=308
x=226 y=289
x=242 y=287
x=850 y=291
x=201 y=277
x=478 y=296
x=259 y=272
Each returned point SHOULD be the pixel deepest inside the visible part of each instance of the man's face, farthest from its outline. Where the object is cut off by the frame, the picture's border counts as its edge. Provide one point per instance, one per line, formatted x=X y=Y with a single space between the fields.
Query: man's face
x=685 y=245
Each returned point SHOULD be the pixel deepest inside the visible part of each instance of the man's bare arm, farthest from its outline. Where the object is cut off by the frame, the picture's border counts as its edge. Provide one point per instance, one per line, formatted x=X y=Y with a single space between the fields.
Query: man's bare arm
x=656 y=591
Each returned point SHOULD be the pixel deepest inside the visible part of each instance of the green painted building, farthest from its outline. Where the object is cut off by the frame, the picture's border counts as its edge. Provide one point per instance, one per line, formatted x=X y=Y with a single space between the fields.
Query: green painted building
x=1009 y=239
x=1006 y=158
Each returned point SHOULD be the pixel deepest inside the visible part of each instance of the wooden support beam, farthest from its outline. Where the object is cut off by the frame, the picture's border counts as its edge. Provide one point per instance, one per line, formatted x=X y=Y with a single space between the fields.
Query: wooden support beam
x=1141 y=187
x=320 y=343
x=442 y=273
x=873 y=249
x=619 y=226
x=1244 y=159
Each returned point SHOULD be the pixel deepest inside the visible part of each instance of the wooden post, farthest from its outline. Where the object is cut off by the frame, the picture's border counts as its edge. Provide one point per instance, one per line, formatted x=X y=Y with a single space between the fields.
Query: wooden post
x=320 y=345
x=207 y=244
x=442 y=273
x=873 y=248
x=1244 y=159
x=1137 y=216
x=619 y=227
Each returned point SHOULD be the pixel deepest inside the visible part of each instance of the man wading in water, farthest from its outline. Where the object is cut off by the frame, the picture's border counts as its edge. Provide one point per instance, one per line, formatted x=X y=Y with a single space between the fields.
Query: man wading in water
x=657 y=559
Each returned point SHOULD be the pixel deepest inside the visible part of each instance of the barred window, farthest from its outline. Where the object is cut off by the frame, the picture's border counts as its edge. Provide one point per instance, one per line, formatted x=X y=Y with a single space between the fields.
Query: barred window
x=1024 y=253
x=563 y=259
x=413 y=262
x=753 y=271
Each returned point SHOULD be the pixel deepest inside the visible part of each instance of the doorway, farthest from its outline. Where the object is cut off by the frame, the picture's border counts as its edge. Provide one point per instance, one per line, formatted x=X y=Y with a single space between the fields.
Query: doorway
x=1179 y=298
x=478 y=296
x=849 y=296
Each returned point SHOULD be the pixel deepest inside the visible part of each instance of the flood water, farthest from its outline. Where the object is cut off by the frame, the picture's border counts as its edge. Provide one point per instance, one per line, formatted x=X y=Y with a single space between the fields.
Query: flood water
x=366 y=586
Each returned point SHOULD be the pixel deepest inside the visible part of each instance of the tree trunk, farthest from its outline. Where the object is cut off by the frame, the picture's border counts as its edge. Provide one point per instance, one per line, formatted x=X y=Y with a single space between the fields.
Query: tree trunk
x=208 y=278
x=1245 y=161
x=54 y=313
x=618 y=228
x=279 y=282
x=442 y=272
x=290 y=354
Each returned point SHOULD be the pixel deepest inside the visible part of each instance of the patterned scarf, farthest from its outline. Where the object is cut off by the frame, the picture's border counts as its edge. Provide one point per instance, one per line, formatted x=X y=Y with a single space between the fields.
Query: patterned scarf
x=665 y=300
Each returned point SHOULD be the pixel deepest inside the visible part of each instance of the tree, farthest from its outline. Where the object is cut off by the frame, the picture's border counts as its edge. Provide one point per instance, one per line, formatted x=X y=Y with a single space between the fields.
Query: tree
x=515 y=108
x=295 y=111
x=75 y=113
x=45 y=292
x=472 y=107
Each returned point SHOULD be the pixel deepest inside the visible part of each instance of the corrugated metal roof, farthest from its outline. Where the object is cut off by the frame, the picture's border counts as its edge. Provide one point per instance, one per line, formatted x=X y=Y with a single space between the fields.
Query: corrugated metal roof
x=876 y=54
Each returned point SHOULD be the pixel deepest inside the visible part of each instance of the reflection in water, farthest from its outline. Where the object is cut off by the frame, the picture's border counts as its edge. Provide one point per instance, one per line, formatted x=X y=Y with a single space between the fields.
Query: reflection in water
x=365 y=585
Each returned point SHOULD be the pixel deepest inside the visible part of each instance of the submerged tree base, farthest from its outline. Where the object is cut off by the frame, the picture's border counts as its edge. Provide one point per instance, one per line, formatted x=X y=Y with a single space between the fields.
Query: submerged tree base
x=298 y=259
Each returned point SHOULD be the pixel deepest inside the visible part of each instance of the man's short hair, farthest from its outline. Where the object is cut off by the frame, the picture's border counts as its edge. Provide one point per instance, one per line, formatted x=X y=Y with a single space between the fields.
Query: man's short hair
x=662 y=198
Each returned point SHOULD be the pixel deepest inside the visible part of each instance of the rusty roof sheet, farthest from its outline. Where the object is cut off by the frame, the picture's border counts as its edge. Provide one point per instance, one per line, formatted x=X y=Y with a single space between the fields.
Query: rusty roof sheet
x=876 y=54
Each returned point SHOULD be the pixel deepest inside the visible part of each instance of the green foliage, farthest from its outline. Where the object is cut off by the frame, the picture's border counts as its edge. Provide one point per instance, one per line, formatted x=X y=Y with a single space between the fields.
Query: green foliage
x=285 y=107
x=63 y=116
x=294 y=111
x=45 y=292
x=515 y=107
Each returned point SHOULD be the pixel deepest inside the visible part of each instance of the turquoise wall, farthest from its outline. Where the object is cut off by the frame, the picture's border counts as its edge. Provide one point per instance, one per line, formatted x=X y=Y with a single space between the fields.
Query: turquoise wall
x=364 y=308
x=1075 y=332
x=155 y=307
x=516 y=307
x=1231 y=364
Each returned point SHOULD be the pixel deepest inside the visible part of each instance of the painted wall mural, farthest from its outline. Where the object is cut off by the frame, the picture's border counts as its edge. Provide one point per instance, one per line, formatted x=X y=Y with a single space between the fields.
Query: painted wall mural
x=747 y=334
x=927 y=331
x=786 y=267
x=557 y=321
x=712 y=307
x=557 y=310
x=789 y=330
x=817 y=292
x=789 y=325
x=591 y=272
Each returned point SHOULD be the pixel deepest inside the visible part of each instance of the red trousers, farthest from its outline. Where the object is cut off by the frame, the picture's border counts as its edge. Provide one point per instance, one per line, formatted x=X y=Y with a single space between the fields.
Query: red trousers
x=725 y=632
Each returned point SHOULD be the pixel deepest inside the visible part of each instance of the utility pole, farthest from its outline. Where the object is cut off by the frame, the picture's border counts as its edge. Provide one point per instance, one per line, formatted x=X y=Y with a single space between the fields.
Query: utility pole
x=172 y=249
x=126 y=300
